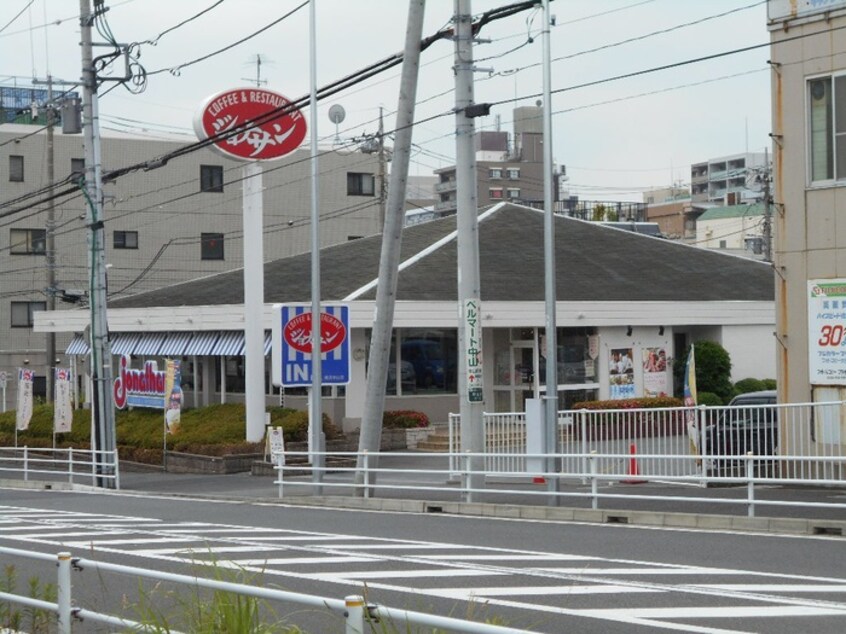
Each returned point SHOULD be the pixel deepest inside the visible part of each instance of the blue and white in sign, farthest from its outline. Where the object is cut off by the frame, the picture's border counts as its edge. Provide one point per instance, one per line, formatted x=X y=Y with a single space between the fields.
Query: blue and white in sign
x=292 y=336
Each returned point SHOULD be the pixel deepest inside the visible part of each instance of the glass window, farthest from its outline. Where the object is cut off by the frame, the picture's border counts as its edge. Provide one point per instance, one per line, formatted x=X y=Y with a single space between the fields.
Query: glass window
x=495 y=173
x=495 y=193
x=211 y=246
x=77 y=167
x=827 y=128
x=22 y=313
x=28 y=241
x=359 y=184
x=513 y=173
x=513 y=192
x=16 y=168
x=575 y=365
x=126 y=240
x=432 y=355
x=211 y=178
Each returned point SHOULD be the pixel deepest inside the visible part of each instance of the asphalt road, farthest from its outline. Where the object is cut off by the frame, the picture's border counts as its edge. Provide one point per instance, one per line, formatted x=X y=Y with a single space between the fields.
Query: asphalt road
x=541 y=576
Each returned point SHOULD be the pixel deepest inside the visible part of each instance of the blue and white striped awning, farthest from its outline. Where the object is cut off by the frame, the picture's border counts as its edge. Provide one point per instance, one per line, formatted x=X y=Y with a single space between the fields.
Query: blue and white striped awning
x=175 y=344
x=230 y=344
x=149 y=344
x=77 y=346
x=202 y=343
x=124 y=342
x=226 y=343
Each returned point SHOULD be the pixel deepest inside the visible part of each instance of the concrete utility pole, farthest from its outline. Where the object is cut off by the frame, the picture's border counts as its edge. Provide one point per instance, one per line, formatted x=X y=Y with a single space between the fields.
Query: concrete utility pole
x=386 y=291
x=383 y=170
x=467 y=221
x=50 y=345
x=101 y=357
x=551 y=399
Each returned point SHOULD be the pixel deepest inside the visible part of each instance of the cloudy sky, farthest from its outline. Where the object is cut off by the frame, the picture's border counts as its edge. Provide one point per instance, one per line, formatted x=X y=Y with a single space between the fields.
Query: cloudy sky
x=617 y=137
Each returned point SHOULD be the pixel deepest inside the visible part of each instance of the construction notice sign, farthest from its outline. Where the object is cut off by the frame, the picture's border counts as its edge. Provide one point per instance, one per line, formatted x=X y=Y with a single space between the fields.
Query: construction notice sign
x=292 y=344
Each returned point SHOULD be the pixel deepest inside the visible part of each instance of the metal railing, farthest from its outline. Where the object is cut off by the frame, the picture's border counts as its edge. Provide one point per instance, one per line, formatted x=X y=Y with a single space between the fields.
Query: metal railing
x=432 y=474
x=75 y=466
x=357 y=615
x=661 y=439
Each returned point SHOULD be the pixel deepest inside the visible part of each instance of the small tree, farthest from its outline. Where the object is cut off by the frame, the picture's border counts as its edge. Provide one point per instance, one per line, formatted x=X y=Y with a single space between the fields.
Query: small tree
x=713 y=369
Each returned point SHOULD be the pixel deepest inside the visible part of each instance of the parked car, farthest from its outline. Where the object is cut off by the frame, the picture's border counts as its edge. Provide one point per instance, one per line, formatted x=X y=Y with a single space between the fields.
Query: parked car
x=746 y=425
x=408 y=378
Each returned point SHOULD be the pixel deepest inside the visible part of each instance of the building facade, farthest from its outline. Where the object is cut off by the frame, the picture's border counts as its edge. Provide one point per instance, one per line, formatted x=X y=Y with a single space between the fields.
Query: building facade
x=726 y=180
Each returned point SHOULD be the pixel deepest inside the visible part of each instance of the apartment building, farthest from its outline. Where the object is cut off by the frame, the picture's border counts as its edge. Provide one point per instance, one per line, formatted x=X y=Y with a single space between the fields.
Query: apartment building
x=725 y=180
x=162 y=226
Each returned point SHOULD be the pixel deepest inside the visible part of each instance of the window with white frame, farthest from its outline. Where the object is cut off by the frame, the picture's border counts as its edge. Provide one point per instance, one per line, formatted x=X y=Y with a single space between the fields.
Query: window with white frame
x=827 y=128
x=495 y=193
x=514 y=192
x=513 y=173
x=361 y=184
x=495 y=173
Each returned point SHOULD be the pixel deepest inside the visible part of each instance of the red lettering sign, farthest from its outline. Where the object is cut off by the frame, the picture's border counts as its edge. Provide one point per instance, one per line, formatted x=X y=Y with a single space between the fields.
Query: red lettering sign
x=281 y=131
x=297 y=332
x=146 y=381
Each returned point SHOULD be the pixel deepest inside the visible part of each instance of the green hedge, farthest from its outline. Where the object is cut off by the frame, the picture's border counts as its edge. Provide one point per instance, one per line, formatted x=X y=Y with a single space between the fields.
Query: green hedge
x=632 y=403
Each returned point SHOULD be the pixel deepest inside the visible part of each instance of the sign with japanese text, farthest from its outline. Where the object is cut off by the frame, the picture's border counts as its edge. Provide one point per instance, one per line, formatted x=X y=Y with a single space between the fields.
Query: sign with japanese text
x=621 y=374
x=827 y=332
x=62 y=408
x=292 y=345
x=473 y=350
x=24 y=412
x=784 y=9
x=263 y=124
x=655 y=381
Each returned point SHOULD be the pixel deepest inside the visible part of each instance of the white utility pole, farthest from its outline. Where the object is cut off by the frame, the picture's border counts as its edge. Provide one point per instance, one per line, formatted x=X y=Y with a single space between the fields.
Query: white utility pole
x=467 y=221
x=380 y=340
x=103 y=433
x=316 y=439
x=551 y=398
x=253 y=299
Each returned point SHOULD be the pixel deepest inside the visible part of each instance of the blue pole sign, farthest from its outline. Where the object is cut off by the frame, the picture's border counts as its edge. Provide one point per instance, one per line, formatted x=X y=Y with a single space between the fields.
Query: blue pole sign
x=292 y=328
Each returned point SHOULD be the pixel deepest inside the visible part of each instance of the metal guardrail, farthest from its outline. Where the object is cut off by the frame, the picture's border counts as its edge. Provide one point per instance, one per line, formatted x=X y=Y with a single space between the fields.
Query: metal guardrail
x=805 y=431
x=76 y=466
x=356 y=613
x=370 y=479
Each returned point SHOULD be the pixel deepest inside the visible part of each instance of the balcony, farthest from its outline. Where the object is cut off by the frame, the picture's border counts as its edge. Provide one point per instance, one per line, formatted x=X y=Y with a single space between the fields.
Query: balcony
x=445 y=205
x=445 y=186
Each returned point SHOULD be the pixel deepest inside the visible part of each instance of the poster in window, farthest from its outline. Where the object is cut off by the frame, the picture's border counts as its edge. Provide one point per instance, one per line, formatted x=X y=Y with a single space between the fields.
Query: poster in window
x=654 y=372
x=621 y=374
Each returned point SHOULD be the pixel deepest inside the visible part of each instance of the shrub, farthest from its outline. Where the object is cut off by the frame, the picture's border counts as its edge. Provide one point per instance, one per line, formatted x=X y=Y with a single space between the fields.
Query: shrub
x=404 y=419
x=748 y=385
x=713 y=369
x=708 y=398
x=769 y=384
x=632 y=403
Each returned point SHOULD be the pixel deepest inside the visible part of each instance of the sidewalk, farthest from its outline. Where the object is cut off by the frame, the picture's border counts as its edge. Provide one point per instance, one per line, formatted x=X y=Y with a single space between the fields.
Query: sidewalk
x=524 y=499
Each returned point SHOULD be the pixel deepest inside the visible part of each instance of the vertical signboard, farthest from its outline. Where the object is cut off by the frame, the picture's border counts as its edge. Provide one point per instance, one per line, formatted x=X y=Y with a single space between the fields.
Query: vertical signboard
x=473 y=351
x=292 y=328
x=827 y=332
x=24 y=411
x=173 y=393
x=621 y=374
x=654 y=372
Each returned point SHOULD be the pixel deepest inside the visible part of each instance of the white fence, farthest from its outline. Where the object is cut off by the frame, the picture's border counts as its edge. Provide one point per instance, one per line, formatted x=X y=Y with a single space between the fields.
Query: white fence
x=357 y=615
x=808 y=440
x=75 y=466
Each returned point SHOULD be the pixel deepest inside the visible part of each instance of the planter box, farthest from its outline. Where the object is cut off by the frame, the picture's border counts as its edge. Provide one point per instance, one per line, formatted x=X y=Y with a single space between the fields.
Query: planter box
x=193 y=463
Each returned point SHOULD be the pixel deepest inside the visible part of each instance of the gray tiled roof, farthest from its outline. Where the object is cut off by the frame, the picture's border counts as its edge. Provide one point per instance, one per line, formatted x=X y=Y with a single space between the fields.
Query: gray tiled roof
x=593 y=263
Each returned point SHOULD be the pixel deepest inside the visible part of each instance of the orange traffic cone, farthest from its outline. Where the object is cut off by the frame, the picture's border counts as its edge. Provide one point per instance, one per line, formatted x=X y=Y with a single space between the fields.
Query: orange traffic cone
x=633 y=470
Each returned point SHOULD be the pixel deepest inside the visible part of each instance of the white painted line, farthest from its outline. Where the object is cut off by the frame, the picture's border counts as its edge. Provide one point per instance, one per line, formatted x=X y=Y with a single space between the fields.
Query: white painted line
x=774 y=587
x=694 y=612
x=200 y=550
x=401 y=574
x=547 y=557
x=62 y=535
x=295 y=561
x=399 y=546
x=516 y=591
x=126 y=542
x=201 y=529
x=587 y=571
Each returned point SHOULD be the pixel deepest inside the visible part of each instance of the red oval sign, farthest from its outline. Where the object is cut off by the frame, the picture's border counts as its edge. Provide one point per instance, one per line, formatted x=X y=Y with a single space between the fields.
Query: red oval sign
x=297 y=332
x=228 y=110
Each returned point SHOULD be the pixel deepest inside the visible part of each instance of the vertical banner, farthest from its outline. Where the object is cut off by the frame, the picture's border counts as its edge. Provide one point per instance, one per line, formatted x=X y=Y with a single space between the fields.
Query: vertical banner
x=24 y=411
x=654 y=372
x=690 y=402
x=173 y=393
x=621 y=374
x=62 y=409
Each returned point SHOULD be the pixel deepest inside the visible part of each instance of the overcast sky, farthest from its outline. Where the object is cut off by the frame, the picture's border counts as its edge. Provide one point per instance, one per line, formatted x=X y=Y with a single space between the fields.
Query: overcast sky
x=617 y=138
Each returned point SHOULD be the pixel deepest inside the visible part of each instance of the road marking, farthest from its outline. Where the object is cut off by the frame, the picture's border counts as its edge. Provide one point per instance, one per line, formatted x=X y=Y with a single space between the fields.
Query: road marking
x=470 y=594
x=356 y=575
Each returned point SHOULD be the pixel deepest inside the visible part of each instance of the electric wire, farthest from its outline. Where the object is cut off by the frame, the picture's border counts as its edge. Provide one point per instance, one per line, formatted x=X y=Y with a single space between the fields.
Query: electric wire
x=154 y=41
x=20 y=13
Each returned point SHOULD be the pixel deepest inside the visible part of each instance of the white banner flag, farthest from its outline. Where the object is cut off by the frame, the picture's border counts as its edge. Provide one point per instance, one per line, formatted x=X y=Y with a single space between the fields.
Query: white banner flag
x=24 y=411
x=62 y=408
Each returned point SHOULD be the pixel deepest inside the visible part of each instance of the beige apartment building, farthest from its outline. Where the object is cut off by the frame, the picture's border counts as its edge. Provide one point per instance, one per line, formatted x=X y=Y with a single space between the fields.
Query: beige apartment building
x=178 y=222
x=808 y=56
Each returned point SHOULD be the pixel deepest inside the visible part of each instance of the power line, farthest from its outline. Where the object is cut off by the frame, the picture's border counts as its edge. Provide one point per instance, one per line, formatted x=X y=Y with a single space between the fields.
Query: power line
x=156 y=39
x=20 y=13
